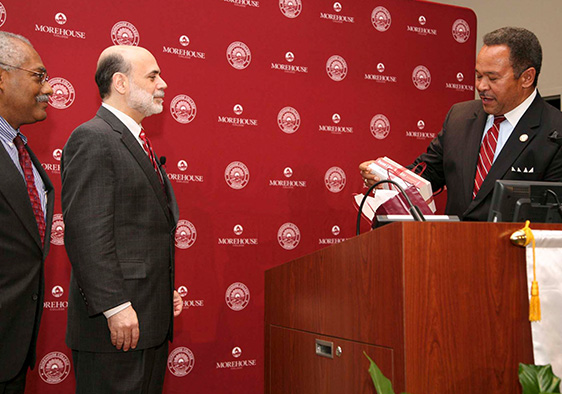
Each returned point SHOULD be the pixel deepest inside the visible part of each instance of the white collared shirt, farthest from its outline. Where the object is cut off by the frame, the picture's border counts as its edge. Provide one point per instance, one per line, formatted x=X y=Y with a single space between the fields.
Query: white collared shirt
x=133 y=126
x=508 y=125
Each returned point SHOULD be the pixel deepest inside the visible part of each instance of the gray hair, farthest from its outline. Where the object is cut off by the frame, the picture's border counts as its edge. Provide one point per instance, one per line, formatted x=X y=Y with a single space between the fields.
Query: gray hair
x=10 y=53
x=524 y=48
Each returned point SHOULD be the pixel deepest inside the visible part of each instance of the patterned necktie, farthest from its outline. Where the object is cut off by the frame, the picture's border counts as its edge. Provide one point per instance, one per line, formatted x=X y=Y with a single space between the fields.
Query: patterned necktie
x=27 y=167
x=148 y=149
x=487 y=151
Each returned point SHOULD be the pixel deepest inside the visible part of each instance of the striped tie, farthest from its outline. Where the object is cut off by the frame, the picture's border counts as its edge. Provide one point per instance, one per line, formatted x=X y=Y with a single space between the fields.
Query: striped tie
x=486 y=155
x=148 y=149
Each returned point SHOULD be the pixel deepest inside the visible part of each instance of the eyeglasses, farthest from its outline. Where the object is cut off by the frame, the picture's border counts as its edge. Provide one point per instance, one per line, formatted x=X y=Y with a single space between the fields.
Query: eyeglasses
x=42 y=75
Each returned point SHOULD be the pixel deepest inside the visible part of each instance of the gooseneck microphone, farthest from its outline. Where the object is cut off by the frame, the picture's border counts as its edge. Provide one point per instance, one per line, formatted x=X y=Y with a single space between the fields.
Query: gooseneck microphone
x=414 y=210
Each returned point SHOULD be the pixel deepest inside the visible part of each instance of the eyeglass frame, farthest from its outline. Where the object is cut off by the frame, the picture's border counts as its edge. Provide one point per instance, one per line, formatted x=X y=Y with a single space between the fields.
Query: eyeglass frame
x=44 y=77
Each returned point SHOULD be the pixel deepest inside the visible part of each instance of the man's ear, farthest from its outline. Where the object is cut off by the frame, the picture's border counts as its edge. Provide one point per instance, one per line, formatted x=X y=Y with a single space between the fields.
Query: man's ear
x=528 y=77
x=120 y=83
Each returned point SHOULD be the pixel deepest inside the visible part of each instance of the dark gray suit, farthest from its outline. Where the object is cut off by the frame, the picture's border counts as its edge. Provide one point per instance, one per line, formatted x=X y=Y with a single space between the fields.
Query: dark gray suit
x=21 y=266
x=119 y=235
x=452 y=156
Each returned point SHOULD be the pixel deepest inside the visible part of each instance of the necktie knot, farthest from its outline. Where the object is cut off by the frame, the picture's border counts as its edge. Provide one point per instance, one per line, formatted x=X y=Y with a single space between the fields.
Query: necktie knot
x=18 y=142
x=498 y=119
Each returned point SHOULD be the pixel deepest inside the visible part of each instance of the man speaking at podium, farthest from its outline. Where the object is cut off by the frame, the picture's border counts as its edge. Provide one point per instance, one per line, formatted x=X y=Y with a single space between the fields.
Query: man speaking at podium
x=504 y=135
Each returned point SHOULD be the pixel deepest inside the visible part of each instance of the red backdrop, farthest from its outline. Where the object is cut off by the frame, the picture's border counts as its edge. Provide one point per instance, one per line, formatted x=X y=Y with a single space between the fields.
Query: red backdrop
x=270 y=108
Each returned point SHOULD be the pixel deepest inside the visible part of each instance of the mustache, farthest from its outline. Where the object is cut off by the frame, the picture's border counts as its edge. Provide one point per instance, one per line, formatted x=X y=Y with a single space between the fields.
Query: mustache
x=42 y=98
x=159 y=94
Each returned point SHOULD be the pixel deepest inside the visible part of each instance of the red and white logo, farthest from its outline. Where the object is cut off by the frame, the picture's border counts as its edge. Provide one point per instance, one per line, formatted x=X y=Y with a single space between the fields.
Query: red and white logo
x=460 y=77
x=290 y=8
x=182 y=291
x=236 y=352
x=421 y=77
x=288 y=236
x=380 y=126
x=288 y=172
x=238 y=230
x=336 y=118
x=63 y=93
x=336 y=230
x=3 y=15
x=288 y=120
x=237 y=296
x=184 y=40
x=238 y=109
x=337 y=7
x=238 y=55
x=335 y=179
x=182 y=165
x=125 y=33
x=57 y=154
x=183 y=109
x=380 y=67
x=421 y=124
x=461 y=31
x=181 y=361
x=290 y=57
x=381 y=19
x=54 y=367
x=422 y=20
x=57 y=291
x=186 y=234
x=57 y=230
x=237 y=175
x=60 y=18
x=336 y=68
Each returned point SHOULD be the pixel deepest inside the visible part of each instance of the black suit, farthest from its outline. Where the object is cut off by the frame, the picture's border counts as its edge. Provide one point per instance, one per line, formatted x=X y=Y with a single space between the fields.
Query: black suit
x=21 y=266
x=452 y=156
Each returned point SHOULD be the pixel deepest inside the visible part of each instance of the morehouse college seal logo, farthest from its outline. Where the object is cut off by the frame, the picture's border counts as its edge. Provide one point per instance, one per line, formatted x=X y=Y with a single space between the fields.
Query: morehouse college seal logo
x=288 y=172
x=125 y=33
x=182 y=165
x=237 y=175
x=63 y=93
x=380 y=126
x=334 y=179
x=57 y=291
x=181 y=361
x=238 y=55
x=57 y=230
x=236 y=352
x=182 y=291
x=461 y=31
x=54 y=367
x=380 y=18
x=460 y=77
x=288 y=120
x=238 y=230
x=288 y=236
x=184 y=40
x=57 y=154
x=421 y=77
x=183 y=109
x=290 y=57
x=336 y=230
x=290 y=8
x=237 y=296
x=186 y=234
x=336 y=68
x=3 y=14
x=60 y=18
x=421 y=124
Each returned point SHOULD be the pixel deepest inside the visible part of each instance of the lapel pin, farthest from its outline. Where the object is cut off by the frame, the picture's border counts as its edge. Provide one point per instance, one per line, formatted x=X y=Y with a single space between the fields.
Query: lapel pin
x=523 y=137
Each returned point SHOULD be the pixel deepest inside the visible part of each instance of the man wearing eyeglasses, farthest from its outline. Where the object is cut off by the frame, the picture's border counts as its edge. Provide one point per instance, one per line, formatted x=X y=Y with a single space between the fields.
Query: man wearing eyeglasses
x=26 y=209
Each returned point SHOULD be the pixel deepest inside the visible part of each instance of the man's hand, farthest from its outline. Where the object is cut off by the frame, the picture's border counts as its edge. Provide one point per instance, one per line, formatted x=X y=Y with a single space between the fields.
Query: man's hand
x=368 y=178
x=178 y=304
x=124 y=328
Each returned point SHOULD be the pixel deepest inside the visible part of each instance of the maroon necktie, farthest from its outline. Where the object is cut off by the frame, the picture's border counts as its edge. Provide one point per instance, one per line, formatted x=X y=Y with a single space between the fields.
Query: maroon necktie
x=486 y=156
x=27 y=167
x=148 y=149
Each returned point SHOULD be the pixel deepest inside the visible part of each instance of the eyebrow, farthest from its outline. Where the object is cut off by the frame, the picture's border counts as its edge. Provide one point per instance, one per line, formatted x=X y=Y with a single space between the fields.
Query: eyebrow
x=157 y=72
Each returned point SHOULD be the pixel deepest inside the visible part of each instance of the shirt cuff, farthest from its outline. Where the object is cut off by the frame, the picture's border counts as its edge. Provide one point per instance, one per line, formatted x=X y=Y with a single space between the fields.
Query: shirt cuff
x=117 y=309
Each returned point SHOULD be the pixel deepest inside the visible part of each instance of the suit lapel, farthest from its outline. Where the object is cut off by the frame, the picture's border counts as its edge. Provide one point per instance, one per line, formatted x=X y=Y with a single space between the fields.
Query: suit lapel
x=13 y=187
x=50 y=199
x=140 y=156
x=172 y=203
x=473 y=139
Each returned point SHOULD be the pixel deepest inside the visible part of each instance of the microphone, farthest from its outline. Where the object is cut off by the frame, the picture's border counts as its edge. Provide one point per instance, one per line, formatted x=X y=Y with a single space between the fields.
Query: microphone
x=414 y=210
x=162 y=160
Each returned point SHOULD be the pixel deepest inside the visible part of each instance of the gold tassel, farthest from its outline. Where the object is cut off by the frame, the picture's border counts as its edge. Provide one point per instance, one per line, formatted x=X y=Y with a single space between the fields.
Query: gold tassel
x=535 y=302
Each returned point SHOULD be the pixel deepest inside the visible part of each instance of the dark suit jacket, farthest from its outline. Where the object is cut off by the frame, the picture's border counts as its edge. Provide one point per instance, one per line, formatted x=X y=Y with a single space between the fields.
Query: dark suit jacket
x=119 y=235
x=453 y=155
x=21 y=266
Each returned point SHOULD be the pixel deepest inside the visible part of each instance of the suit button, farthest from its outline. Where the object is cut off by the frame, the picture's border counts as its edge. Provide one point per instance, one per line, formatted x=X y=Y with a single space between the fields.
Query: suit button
x=34 y=297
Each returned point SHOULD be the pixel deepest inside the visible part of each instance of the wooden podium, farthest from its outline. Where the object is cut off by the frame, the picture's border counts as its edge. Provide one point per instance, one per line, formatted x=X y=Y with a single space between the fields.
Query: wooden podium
x=440 y=307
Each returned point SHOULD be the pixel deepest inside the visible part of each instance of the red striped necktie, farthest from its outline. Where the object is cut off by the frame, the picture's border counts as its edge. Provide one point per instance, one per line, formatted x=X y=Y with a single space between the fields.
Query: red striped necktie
x=150 y=152
x=487 y=151
x=27 y=167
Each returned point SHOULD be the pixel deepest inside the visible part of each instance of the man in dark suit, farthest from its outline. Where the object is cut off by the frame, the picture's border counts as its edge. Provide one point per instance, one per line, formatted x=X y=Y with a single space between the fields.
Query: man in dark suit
x=505 y=135
x=120 y=215
x=26 y=209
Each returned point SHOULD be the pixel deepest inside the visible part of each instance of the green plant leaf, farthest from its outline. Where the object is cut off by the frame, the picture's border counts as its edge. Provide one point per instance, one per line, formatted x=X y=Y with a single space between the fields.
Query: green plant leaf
x=538 y=379
x=382 y=384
